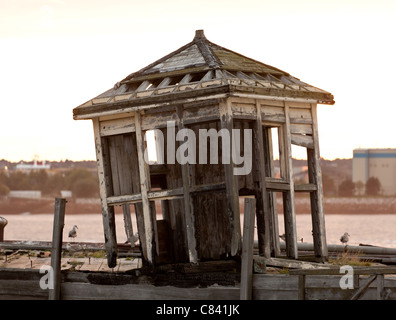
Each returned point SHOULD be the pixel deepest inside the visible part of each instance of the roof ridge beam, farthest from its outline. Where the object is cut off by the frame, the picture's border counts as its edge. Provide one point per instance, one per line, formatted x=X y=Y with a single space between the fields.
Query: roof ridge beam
x=203 y=46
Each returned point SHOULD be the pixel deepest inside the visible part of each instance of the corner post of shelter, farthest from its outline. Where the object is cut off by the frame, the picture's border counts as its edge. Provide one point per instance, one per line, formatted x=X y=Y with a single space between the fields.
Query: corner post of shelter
x=288 y=196
x=231 y=181
x=107 y=211
x=316 y=197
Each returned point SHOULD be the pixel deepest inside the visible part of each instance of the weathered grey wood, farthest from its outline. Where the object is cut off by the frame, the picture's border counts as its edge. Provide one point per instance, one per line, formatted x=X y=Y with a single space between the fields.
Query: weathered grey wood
x=59 y=221
x=84 y=291
x=107 y=211
x=232 y=193
x=144 y=187
x=188 y=205
x=22 y=289
x=301 y=129
x=308 y=187
x=302 y=141
x=288 y=196
x=316 y=197
x=126 y=210
x=247 y=249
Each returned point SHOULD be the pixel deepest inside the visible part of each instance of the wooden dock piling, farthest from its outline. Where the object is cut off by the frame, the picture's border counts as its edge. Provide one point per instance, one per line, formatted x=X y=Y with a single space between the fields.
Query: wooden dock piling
x=59 y=218
x=3 y=223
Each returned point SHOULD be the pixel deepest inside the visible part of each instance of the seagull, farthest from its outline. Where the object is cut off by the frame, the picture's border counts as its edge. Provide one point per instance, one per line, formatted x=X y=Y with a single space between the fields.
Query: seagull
x=132 y=240
x=73 y=232
x=283 y=237
x=345 y=238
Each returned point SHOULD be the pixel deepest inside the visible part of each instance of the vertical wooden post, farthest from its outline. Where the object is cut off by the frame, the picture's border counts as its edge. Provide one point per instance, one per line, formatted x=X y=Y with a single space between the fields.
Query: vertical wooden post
x=264 y=209
x=3 y=223
x=144 y=186
x=301 y=287
x=231 y=181
x=288 y=196
x=271 y=196
x=247 y=249
x=188 y=205
x=107 y=211
x=315 y=177
x=59 y=221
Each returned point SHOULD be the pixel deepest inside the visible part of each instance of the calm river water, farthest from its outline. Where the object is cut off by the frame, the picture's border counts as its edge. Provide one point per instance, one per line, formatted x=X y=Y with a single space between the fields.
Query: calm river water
x=375 y=229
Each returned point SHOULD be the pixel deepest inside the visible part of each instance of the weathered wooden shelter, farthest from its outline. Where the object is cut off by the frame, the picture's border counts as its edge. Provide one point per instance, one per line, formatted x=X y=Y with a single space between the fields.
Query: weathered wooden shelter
x=203 y=86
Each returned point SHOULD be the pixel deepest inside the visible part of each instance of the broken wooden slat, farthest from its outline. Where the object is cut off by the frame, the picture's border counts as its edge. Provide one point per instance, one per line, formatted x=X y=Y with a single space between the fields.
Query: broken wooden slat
x=117 y=126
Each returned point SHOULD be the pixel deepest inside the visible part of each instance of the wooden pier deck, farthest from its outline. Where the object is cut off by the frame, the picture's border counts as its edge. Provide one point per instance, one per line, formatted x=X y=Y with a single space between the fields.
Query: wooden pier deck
x=36 y=261
x=86 y=275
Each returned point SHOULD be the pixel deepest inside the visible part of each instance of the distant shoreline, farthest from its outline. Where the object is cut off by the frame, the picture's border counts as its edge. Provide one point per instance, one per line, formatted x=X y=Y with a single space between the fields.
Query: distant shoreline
x=336 y=205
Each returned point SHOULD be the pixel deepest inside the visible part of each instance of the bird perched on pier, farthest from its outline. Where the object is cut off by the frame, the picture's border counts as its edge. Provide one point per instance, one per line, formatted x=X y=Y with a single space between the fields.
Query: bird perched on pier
x=133 y=239
x=73 y=232
x=345 y=238
x=283 y=237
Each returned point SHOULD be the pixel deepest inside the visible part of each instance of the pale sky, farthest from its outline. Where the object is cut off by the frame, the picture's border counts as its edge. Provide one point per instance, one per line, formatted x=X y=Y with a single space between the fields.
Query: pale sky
x=57 y=54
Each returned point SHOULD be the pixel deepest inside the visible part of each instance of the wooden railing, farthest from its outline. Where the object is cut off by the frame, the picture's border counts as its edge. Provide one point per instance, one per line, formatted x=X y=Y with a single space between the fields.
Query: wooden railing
x=374 y=273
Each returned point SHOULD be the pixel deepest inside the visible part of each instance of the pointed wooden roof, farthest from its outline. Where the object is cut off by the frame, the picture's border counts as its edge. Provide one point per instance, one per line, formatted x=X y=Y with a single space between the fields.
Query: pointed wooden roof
x=200 y=68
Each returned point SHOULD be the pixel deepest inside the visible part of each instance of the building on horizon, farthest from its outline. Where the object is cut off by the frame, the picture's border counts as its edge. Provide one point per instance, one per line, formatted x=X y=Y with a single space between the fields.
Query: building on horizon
x=378 y=163
x=33 y=165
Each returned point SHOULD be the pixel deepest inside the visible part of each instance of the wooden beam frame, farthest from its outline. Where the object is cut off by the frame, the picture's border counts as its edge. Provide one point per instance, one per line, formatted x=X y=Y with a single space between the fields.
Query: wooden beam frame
x=107 y=211
x=144 y=187
x=166 y=194
x=315 y=178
